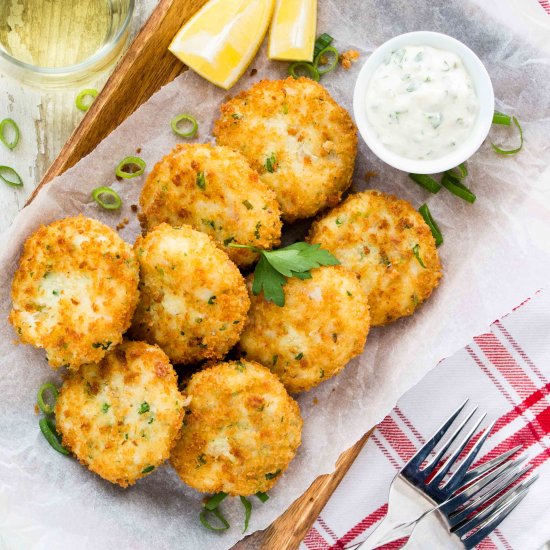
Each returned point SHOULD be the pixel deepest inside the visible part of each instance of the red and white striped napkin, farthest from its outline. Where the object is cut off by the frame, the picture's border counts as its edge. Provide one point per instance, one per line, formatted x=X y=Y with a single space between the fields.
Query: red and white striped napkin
x=505 y=371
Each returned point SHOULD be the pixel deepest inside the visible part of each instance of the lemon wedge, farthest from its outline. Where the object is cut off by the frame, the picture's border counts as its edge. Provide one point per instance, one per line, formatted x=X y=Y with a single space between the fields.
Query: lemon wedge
x=221 y=39
x=292 y=35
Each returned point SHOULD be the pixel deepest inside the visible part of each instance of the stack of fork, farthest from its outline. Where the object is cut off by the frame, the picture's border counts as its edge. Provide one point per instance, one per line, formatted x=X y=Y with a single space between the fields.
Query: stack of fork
x=439 y=511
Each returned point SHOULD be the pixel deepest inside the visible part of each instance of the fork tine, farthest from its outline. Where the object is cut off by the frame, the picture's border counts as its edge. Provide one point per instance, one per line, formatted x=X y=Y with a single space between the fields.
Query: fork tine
x=494 y=521
x=416 y=461
x=457 y=479
x=502 y=482
x=438 y=478
x=475 y=473
x=464 y=496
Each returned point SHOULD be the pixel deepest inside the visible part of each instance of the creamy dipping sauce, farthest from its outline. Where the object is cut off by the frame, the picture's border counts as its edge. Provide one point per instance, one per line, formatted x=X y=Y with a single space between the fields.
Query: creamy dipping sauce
x=421 y=102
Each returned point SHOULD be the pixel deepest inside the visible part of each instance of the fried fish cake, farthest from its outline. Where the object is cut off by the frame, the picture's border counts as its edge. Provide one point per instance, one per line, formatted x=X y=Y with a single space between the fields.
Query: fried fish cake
x=193 y=299
x=300 y=141
x=75 y=291
x=387 y=243
x=240 y=431
x=121 y=417
x=322 y=326
x=214 y=190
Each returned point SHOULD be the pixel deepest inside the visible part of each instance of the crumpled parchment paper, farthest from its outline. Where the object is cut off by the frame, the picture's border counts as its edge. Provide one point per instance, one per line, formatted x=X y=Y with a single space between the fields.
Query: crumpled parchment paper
x=496 y=253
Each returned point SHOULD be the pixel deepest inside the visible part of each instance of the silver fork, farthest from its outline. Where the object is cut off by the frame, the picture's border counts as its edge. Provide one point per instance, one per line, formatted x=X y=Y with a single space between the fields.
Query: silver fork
x=412 y=493
x=465 y=520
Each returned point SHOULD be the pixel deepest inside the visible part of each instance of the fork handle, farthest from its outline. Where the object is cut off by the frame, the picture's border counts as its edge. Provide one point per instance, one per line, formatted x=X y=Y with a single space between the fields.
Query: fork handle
x=388 y=530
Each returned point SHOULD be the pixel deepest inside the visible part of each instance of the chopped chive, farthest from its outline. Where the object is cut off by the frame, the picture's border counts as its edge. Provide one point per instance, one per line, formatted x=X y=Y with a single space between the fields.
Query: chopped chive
x=271 y=163
x=501 y=118
x=229 y=240
x=215 y=501
x=273 y=475
x=9 y=176
x=263 y=497
x=322 y=67
x=81 y=101
x=9 y=123
x=299 y=356
x=456 y=187
x=501 y=151
x=175 y=124
x=144 y=407
x=211 y=300
x=426 y=181
x=125 y=168
x=105 y=407
x=201 y=180
x=323 y=40
x=416 y=252
x=43 y=406
x=107 y=198
x=247 y=512
x=204 y=520
x=306 y=69
x=47 y=427
x=248 y=205
x=147 y=469
x=431 y=223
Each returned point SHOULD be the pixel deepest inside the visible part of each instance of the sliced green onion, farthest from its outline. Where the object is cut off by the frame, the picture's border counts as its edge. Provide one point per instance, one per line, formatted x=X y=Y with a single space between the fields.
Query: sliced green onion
x=460 y=172
x=124 y=168
x=431 y=223
x=501 y=118
x=85 y=105
x=416 y=252
x=215 y=501
x=204 y=520
x=324 y=68
x=426 y=181
x=191 y=133
x=9 y=176
x=500 y=151
x=263 y=497
x=107 y=198
x=323 y=40
x=47 y=428
x=310 y=70
x=9 y=123
x=147 y=469
x=45 y=407
x=456 y=187
x=247 y=512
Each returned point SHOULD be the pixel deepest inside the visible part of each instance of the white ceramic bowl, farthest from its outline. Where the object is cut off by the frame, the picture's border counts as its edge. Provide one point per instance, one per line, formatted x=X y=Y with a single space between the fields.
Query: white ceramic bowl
x=482 y=84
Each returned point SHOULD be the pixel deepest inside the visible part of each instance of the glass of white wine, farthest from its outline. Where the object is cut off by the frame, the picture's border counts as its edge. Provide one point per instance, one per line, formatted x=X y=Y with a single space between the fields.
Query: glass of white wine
x=59 y=42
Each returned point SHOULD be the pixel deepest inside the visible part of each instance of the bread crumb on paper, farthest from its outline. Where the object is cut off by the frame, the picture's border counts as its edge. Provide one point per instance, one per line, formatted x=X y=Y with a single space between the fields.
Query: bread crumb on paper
x=349 y=57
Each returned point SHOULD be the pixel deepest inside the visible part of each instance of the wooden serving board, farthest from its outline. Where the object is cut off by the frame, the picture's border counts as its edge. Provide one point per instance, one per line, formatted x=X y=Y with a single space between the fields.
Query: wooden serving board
x=146 y=66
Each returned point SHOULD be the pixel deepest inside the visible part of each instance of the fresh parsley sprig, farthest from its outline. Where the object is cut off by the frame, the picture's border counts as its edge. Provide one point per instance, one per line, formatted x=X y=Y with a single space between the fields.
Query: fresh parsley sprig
x=276 y=266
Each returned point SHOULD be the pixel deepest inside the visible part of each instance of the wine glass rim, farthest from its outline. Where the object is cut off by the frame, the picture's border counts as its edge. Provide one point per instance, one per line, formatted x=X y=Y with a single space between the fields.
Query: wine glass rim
x=76 y=68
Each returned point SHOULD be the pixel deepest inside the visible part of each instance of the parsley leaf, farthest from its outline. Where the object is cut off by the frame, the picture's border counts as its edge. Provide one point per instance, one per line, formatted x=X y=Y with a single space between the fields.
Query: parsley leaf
x=276 y=266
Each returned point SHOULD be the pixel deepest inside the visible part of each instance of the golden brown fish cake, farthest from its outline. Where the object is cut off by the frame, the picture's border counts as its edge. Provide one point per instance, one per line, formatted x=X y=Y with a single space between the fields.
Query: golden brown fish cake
x=322 y=326
x=241 y=430
x=379 y=237
x=300 y=141
x=121 y=417
x=75 y=291
x=214 y=190
x=193 y=299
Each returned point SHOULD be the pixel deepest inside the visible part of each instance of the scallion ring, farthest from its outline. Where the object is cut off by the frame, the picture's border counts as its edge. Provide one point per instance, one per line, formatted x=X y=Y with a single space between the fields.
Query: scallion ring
x=323 y=40
x=45 y=407
x=9 y=123
x=9 y=176
x=247 y=512
x=203 y=516
x=456 y=187
x=215 y=501
x=187 y=118
x=263 y=497
x=82 y=103
x=311 y=71
x=107 y=198
x=460 y=172
x=501 y=151
x=431 y=223
x=326 y=67
x=501 y=118
x=47 y=428
x=126 y=165
x=426 y=181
